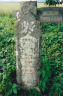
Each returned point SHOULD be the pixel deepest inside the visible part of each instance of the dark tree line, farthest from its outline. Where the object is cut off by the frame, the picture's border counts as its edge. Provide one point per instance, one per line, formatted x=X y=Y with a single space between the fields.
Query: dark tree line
x=53 y=2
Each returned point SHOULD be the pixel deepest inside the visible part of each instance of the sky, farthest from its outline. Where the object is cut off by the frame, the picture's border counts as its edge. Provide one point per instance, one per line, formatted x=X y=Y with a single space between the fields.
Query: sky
x=20 y=0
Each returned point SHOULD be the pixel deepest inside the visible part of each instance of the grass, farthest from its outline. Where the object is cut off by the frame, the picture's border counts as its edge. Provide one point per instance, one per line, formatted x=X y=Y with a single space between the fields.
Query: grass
x=7 y=8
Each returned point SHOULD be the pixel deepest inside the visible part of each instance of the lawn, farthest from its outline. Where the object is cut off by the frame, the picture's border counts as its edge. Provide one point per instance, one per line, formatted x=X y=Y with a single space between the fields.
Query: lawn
x=5 y=8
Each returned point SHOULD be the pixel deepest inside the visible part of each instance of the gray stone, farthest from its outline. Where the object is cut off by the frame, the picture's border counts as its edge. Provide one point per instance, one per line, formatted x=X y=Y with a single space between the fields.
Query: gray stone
x=28 y=36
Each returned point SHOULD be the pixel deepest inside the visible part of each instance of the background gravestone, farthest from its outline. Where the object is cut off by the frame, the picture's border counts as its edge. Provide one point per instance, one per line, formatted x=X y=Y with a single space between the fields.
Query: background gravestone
x=28 y=36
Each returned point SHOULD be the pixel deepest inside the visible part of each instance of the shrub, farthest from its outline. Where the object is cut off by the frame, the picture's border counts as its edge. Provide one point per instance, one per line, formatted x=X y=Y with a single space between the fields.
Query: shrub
x=51 y=81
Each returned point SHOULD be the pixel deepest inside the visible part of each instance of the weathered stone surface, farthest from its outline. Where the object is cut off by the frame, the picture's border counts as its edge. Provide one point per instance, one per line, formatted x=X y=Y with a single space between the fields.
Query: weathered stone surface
x=56 y=19
x=50 y=13
x=45 y=19
x=28 y=36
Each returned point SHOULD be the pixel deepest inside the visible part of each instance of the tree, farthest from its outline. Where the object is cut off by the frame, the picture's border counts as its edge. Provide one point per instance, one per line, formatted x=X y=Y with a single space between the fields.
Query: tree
x=51 y=2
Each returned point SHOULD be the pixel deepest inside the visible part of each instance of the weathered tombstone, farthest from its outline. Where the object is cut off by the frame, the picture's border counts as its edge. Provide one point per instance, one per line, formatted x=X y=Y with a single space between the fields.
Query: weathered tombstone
x=28 y=37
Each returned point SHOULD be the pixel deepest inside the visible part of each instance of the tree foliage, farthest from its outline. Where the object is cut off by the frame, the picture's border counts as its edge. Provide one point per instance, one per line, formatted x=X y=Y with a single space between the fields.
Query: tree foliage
x=51 y=2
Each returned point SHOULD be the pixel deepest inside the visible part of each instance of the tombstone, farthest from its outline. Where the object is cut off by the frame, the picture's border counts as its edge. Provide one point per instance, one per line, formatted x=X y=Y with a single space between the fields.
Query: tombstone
x=28 y=36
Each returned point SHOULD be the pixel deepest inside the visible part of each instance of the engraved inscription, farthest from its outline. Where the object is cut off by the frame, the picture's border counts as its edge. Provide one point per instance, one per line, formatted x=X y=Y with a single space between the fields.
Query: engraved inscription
x=27 y=27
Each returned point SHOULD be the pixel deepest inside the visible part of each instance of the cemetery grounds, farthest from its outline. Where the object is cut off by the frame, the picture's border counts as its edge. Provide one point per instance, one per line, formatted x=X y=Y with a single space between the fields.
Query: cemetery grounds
x=51 y=66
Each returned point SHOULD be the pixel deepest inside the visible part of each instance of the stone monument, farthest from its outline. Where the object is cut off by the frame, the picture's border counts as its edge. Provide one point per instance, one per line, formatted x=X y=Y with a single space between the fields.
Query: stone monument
x=28 y=36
